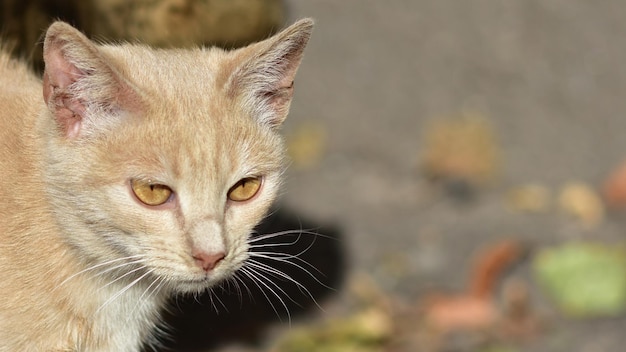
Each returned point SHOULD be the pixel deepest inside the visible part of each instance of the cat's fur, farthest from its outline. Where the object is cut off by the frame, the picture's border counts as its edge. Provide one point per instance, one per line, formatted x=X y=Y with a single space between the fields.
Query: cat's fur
x=87 y=267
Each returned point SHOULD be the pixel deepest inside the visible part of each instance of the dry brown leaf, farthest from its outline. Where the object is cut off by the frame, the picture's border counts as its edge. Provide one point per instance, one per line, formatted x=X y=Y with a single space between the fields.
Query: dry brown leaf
x=460 y=313
x=582 y=202
x=531 y=198
x=476 y=308
x=614 y=188
x=490 y=264
x=462 y=148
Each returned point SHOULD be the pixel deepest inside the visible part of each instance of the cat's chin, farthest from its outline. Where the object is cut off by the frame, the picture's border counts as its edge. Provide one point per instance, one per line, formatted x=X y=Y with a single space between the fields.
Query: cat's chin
x=197 y=283
x=194 y=286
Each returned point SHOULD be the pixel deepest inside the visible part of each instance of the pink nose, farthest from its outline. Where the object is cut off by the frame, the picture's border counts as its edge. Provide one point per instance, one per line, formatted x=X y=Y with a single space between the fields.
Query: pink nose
x=208 y=261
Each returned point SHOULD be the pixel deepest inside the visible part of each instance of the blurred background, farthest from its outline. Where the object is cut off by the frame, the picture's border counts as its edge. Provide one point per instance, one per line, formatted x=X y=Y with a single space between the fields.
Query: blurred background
x=463 y=163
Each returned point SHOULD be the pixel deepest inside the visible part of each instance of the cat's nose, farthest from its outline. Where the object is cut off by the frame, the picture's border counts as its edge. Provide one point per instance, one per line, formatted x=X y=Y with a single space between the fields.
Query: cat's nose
x=208 y=261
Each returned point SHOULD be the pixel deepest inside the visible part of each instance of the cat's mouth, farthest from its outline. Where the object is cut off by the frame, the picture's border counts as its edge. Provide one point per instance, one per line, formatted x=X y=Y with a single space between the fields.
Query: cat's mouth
x=190 y=279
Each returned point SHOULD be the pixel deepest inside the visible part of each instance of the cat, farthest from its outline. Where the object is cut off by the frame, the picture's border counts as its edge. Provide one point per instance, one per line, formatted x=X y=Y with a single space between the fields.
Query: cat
x=129 y=174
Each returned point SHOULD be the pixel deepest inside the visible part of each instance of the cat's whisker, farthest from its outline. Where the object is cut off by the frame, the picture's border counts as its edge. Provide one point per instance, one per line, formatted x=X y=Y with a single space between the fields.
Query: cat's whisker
x=93 y=267
x=141 y=301
x=235 y=284
x=123 y=290
x=123 y=276
x=272 y=245
x=213 y=294
x=286 y=255
x=159 y=286
x=261 y=272
x=195 y=297
x=297 y=255
x=282 y=244
x=241 y=285
x=250 y=273
x=262 y=288
x=161 y=281
x=238 y=280
x=257 y=238
x=270 y=270
x=265 y=273
x=229 y=286
x=119 y=266
x=287 y=259
x=275 y=210
x=280 y=255
x=147 y=293
x=221 y=303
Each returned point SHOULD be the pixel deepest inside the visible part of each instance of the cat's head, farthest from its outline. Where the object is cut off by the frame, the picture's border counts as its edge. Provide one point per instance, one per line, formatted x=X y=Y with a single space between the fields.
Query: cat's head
x=163 y=161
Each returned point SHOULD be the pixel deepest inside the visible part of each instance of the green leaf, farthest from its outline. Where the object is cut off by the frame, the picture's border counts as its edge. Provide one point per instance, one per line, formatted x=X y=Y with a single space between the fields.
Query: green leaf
x=584 y=279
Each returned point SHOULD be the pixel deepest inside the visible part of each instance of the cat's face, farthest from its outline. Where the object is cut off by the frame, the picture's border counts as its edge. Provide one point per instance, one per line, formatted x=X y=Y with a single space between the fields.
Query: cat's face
x=162 y=162
x=196 y=188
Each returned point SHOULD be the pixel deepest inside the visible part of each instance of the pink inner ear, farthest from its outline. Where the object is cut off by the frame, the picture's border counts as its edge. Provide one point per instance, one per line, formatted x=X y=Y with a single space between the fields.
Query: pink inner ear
x=58 y=76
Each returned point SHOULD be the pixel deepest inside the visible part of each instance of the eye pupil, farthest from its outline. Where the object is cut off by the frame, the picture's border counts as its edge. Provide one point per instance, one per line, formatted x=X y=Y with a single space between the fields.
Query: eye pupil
x=149 y=193
x=245 y=189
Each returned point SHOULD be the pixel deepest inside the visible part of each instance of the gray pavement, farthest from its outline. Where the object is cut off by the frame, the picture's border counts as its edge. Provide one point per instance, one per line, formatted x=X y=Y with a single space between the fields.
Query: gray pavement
x=549 y=75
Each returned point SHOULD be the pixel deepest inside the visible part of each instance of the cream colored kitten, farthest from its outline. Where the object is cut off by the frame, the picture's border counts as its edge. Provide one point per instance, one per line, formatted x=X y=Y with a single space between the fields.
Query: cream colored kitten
x=131 y=174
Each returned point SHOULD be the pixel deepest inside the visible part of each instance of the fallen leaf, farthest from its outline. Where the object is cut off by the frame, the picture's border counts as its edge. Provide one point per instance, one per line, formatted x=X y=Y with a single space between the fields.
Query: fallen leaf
x=460 y=313
x=614 y=188
x=489 y=265
x=476 y=308
x=584 y=279
x=581 y=201
x=462 y=148
x=531 y=198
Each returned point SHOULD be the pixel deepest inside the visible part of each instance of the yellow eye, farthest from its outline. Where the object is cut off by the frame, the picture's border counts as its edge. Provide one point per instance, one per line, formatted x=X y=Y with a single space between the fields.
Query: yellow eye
x=149 y=193
x=245 y=189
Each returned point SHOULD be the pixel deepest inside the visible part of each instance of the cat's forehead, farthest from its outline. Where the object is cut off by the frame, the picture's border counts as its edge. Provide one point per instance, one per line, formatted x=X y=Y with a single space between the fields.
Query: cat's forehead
x=186 y=139
x=184 y=143
x=189 y=124
x=183 y=75
x=182 y=87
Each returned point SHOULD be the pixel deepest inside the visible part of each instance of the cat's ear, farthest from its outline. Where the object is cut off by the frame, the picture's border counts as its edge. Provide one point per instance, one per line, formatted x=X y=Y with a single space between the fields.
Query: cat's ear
x=80 y=87
x=264 y=79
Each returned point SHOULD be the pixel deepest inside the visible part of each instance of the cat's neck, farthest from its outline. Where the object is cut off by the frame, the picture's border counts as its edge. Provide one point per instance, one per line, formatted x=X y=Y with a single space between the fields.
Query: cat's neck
x=136 y=310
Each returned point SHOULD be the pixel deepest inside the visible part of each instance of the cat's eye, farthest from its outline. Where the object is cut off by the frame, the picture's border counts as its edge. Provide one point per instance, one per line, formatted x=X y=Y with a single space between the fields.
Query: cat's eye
x=245 y=189
x=150 y=193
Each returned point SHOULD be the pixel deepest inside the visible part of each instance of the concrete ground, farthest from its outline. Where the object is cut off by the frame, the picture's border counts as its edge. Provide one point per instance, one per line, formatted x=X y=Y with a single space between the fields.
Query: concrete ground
x=548 y=75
